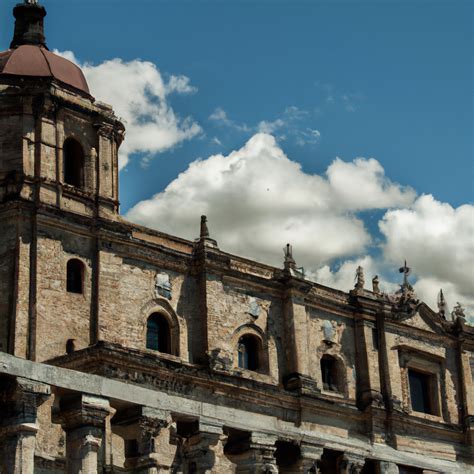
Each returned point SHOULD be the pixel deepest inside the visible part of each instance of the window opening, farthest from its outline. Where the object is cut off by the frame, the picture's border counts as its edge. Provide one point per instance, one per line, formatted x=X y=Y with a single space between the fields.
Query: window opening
x=420 y=388
x=329 y=373
x=75 y=276
x=158 y=335
x=73 y=163
x=248 y=352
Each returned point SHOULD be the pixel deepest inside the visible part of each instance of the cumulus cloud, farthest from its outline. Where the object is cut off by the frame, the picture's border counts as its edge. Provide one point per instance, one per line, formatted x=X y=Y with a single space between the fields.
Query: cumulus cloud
x=343 y=276
x=362 y=184
x=152 y=124
x=438 y=242
x=257 y=199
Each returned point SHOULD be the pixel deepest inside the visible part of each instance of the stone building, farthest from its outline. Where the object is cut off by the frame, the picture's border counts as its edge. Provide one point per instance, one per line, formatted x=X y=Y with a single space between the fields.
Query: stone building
x=123 y=349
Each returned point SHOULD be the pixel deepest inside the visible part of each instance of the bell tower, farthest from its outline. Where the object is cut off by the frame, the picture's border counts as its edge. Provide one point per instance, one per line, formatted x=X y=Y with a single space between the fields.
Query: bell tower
x=58 y=170
x=58 y=146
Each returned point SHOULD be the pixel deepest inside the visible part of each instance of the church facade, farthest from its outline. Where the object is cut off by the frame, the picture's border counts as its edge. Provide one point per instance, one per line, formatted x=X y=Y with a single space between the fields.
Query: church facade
x=123 y=349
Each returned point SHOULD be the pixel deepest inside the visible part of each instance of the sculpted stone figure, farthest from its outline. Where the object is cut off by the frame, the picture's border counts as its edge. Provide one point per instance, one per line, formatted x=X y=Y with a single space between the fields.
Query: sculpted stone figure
x=360 y=280
x=375 y=285
x=458 y=312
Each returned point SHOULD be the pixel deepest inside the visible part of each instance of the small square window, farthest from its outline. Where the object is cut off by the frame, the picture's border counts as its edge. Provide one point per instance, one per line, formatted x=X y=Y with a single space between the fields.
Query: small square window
x=422 y=391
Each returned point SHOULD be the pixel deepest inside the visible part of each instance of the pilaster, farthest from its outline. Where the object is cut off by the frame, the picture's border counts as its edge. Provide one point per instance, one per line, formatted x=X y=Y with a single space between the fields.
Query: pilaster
x=259 y=457
x=146 y=431
x=83 y=418
x=205 y=449
x=19 y=407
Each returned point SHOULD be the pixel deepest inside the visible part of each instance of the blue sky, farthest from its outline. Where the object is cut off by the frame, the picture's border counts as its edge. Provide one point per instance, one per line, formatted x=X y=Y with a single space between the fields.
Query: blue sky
x=406 y=64
x=390 y=80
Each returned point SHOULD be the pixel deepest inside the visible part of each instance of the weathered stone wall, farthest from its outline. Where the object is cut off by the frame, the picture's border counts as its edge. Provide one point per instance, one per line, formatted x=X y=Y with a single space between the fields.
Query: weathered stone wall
x=61 y=315
x=127 y=298
x=333 y=335
x=11 y=157
x=7 y=269
x=233 y=311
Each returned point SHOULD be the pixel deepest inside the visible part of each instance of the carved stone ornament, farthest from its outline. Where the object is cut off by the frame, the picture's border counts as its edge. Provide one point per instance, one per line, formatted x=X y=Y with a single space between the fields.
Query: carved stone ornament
x=458 y=312
x=329 y=332
x=404 y=301
x=375 y=285
x=254 y=308
x=163 y=285
x=359 y=277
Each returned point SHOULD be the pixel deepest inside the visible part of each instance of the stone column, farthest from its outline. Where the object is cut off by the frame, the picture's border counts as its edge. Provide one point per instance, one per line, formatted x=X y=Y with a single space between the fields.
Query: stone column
x=352 y=463
x=147 y=430
x=206 y=449
x=309 y=458
x=259 y=456
x=83 y=418
x=19 y=402
x=387 y=467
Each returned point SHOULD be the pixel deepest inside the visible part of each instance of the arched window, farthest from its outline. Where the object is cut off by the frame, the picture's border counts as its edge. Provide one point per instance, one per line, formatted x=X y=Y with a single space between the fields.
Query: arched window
x=73 y=163
x=248 y=352
x=75 y=276
x=330 y=373
x=158 y=336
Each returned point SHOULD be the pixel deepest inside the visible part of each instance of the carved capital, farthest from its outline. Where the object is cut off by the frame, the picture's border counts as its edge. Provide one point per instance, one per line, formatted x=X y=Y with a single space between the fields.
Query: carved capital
x=19 y=401
x=81 y=410
x=352 y=463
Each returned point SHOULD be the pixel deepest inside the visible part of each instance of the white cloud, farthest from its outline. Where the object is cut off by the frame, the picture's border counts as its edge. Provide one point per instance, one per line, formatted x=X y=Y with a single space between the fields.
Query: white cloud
x=362 y=184
x=219 y=115
x=257 y=199
x=152 y=124
x=287 y=125
x=270 y=127
x=438 y=242
x=181 y=85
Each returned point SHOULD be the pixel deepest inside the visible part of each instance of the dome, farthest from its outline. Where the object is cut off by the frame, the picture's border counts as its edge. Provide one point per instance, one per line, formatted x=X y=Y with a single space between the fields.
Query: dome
x=29 y=56
x=37 y=61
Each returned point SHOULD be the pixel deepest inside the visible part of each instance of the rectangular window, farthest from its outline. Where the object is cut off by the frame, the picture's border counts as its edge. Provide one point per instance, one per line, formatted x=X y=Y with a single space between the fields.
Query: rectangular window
x=422 y=388
x=328 y=369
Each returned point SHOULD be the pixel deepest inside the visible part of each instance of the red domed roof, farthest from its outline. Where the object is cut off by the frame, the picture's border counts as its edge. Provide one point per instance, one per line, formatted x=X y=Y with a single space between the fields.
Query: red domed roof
x=37 y=61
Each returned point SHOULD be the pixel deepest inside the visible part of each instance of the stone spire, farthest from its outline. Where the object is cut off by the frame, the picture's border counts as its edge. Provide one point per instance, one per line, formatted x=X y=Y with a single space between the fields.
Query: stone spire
x=289 y=261
x=29 y=24
x=290 y=264
x=442 y=305
x=204 y=235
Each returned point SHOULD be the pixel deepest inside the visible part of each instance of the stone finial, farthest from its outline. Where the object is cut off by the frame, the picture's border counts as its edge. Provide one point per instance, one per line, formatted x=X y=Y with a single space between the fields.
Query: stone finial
x=31 y=2
x=204 y=229
x=405 y=270
x=290 y=264
x=375 y=285
x=289 y=260
x=204 y=235
x=442 y=305
x=458 y=312
x=359 y=277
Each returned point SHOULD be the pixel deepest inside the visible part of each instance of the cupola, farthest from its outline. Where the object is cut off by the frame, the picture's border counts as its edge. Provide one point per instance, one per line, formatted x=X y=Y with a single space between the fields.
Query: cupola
x=29 y=57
